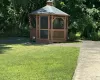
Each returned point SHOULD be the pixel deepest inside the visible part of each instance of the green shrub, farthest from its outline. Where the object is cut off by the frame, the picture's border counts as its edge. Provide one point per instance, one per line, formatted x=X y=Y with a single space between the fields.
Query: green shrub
x=78 y=35
x=99 y=35
x=94 y=36
x=72 y=36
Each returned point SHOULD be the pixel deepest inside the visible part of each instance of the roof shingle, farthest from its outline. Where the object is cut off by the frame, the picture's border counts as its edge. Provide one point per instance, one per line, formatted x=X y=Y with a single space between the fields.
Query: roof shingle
x=49 y=10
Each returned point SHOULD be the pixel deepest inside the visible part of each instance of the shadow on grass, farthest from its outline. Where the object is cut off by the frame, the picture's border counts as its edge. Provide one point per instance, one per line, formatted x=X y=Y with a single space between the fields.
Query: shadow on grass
x=77 y=41
x=13 y=40
x=34 y=43
x=26 y=41
x=19 y=40
x=3 y=48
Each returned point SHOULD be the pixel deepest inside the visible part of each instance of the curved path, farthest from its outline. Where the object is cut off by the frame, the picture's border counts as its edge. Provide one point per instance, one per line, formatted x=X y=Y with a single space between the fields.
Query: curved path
x=88 y=67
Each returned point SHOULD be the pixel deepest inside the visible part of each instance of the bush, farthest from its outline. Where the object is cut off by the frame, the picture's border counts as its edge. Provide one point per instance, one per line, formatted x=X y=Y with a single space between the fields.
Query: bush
x=72 y=36
x=99 y=35
x=94 y=36
x=78 y=35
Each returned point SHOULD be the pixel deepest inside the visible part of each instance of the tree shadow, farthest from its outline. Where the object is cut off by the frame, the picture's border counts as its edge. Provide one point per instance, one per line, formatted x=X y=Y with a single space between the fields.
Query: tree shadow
x=26 y=41
x=45 y=44
x=35 y=44
x=19 y=40
x=77 y=41
x=13 y=40
x=3 y=48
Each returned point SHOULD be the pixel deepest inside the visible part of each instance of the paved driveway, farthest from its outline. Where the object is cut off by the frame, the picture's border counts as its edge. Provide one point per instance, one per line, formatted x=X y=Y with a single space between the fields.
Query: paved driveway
x=88 y=67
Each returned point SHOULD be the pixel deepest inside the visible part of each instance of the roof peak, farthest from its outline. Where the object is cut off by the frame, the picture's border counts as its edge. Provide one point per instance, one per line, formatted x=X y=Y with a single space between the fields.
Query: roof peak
x=50 y=10
x=50 y=2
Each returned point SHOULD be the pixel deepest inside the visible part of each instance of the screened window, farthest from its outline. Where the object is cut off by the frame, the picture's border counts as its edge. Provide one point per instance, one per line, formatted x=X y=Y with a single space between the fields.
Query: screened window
x=33 y=22
x=58 y=23
x=44 y=34
x=44 y=22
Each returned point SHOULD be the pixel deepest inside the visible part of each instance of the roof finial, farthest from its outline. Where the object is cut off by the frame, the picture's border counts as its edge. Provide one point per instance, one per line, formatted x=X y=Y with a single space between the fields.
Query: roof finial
x=50 y=2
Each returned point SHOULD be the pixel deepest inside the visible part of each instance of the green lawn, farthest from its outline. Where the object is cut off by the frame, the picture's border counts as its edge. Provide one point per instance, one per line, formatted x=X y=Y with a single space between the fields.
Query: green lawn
x=37 y=62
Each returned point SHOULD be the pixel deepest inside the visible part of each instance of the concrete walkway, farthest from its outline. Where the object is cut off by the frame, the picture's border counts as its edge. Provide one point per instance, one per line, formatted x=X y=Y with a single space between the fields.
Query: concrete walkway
x=88 y=67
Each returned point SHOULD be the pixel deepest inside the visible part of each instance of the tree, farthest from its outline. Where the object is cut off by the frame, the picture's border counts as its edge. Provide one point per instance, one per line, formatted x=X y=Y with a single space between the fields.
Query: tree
x=84 y=15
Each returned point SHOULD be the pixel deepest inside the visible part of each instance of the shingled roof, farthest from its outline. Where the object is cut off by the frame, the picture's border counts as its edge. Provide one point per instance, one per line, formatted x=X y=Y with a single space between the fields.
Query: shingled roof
x=48 y=9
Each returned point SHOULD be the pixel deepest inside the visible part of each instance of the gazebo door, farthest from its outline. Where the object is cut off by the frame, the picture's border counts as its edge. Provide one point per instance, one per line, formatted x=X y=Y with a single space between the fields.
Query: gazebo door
x=43 y=27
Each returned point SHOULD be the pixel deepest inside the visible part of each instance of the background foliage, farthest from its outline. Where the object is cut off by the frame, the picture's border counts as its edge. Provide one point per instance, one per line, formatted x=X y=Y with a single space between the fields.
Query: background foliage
x=84 y=16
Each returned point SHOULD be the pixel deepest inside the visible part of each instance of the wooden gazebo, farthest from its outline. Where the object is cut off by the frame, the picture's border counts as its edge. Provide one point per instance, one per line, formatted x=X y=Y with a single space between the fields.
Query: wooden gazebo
x=51 y=24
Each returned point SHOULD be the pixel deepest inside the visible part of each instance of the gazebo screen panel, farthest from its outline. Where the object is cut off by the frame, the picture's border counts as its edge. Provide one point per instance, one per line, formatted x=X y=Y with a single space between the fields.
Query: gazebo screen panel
x=44 y=34
x=44 y=22
x=58 y=23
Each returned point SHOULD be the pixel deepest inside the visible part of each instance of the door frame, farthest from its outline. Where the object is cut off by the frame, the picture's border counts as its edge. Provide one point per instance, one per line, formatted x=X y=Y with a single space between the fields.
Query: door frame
x=48 y=29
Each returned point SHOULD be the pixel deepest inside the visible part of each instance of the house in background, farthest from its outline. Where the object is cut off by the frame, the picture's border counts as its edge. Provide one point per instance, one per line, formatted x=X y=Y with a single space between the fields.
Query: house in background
x=48 y=24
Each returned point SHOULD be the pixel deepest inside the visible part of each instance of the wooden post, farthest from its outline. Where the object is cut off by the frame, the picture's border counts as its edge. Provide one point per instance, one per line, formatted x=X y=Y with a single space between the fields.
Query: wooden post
x=36 y=26
x=65 y=28
x=39 y=25
x=52 y=28
x=48 y=26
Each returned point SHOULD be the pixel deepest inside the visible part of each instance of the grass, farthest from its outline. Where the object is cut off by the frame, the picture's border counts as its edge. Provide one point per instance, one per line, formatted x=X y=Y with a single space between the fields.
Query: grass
x=21 y=62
